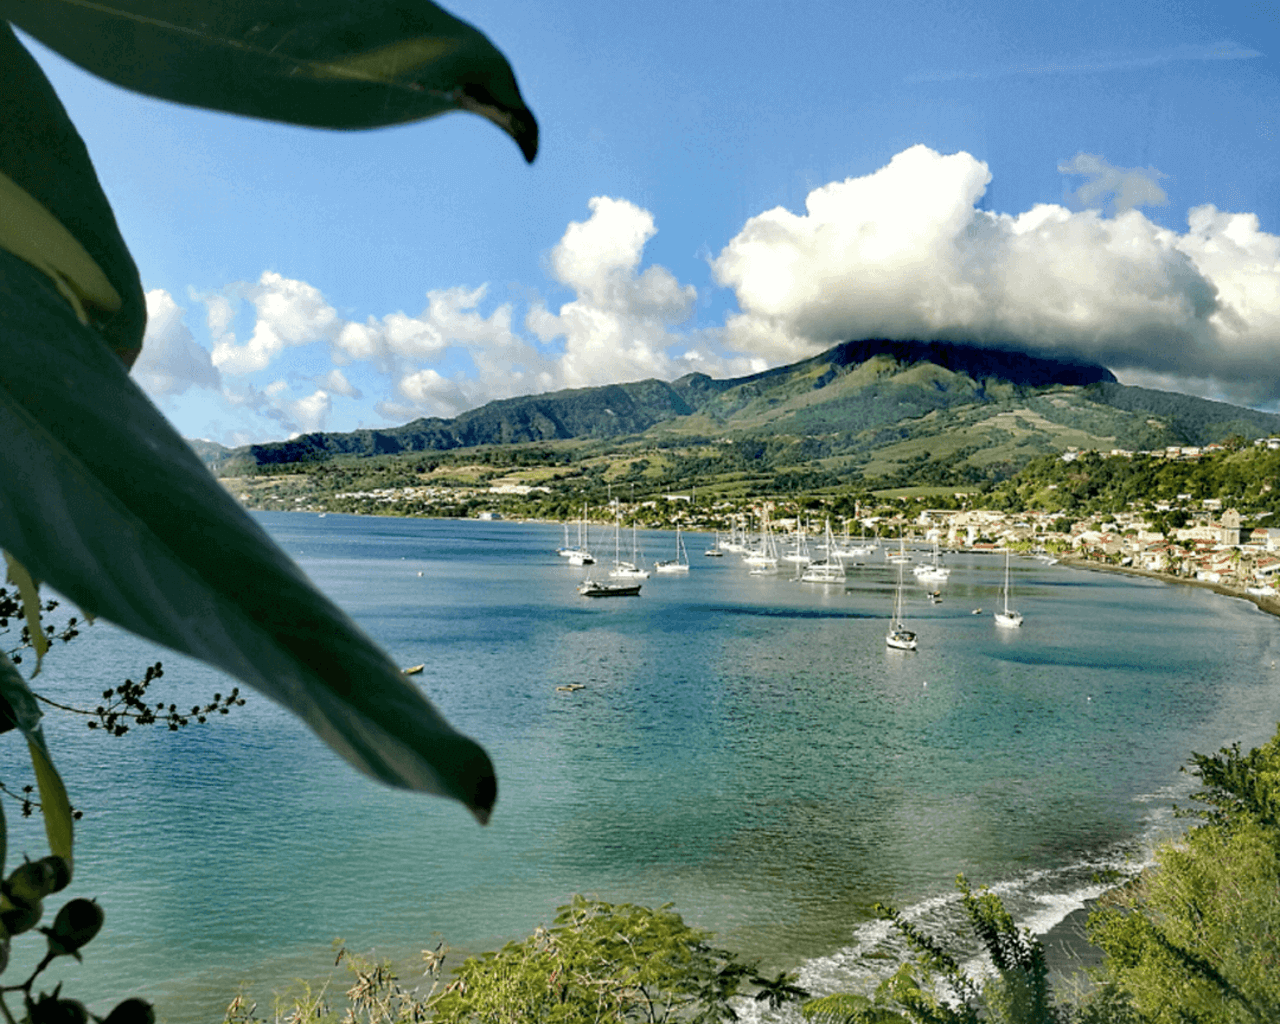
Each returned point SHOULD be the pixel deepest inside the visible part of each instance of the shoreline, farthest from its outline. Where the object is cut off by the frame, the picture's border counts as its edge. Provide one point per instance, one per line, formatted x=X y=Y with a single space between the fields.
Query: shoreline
x=1067 y=950
x=1270 y=605
x=1072 y=959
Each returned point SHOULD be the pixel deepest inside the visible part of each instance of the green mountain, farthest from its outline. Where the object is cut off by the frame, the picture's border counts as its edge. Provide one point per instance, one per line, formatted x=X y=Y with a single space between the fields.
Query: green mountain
x=892 y=411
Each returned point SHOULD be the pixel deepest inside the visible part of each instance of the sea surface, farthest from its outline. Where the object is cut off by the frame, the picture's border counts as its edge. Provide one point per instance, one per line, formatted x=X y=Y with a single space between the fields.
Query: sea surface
x=744 y=747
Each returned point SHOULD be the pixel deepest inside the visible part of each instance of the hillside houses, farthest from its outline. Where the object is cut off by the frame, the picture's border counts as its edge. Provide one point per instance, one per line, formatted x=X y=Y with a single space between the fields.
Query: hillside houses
x=1217 y=550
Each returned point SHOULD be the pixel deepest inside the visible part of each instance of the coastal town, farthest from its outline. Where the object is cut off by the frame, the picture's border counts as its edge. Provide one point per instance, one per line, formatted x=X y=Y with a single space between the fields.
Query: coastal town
x=1224 y=540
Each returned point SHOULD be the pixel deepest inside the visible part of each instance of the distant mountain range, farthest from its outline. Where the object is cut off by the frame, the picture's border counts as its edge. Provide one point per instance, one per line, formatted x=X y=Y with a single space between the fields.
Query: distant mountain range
x=889 y=409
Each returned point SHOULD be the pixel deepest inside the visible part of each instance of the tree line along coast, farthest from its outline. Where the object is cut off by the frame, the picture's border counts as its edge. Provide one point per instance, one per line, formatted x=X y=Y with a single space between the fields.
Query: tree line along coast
x=1209 y=514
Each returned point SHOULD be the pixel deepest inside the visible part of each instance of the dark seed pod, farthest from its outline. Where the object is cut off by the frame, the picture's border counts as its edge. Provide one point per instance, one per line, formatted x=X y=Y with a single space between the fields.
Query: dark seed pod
x=132 y=1011
x=52 y=1009
x=19 y=919
x=4 y=955
x=61 y=868
x=76 y=924
x=33 y=880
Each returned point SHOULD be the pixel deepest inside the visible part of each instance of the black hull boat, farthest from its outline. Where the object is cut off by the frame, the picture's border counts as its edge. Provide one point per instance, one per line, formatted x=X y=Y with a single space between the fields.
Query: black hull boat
x=594 y=588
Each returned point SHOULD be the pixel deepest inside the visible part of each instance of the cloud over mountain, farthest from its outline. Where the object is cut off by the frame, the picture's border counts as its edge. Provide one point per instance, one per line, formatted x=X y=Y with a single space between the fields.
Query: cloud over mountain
x=905 y=252
x=619 y=325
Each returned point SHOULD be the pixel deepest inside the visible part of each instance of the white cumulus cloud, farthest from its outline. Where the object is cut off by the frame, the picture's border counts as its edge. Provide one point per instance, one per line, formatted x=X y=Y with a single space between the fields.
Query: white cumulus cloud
x=619 y=325
x=310 y=413
x=171 y=361
x=288 y=313
x=335 y=382
x=503 y=362
x=1127 y=188
x=425 y=390
x=905 y=253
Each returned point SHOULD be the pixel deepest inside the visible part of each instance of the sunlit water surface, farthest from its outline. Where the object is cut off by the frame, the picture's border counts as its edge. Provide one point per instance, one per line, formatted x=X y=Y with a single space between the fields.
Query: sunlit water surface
x=745 y=747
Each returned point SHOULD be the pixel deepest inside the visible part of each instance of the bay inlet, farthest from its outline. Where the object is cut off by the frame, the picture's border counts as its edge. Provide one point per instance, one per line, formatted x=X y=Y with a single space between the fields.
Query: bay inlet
x=745 y=747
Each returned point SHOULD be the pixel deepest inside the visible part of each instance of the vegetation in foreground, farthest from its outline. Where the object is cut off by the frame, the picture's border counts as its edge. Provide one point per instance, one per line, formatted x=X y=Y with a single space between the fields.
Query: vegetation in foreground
x=1196 y=940
x=99 y=496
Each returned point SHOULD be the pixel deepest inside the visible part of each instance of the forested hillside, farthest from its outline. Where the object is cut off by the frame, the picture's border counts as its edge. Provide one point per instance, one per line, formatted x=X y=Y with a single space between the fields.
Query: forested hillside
x=890 y=414
x=1247 y=476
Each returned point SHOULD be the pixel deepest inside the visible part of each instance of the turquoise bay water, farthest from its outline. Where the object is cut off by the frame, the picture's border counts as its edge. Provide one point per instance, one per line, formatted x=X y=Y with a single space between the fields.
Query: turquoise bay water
x=745 y=747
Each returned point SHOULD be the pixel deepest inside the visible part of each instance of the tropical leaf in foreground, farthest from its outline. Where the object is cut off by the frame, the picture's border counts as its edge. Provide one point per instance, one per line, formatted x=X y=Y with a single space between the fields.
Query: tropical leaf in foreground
x=324 y=63
x=101 y=499
x=45 y=170
x=105 y=502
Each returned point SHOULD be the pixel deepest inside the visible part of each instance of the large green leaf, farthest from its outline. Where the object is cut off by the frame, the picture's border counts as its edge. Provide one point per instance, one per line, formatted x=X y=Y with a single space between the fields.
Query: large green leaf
x=103 y=500
x=41 y=153
x=325 y=63
x=100 y=498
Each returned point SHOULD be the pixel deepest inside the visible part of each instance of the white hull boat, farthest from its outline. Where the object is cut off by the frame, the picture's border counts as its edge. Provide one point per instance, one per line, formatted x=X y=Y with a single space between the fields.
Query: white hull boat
x=1006 y=616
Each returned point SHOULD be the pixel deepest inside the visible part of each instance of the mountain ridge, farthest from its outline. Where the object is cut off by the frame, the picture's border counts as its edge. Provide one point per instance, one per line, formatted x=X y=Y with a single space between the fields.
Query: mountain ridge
x=878 y=404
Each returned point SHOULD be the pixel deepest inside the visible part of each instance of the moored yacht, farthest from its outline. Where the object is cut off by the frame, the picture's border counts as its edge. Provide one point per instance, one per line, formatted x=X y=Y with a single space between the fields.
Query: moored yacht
x=1007 y=616
x=899 y=637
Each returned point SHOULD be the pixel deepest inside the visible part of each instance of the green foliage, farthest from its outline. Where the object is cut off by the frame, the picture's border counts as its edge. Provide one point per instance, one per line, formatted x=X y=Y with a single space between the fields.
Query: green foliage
x=932 y=987
x=1020 y=990
x=599 y=963
x=1240 y=787
x=604 y=962
x=335 y=64
x=1249 y=478
x=376 y=996
x=848 y=1008
x=1195 y=421
x=1198 y=938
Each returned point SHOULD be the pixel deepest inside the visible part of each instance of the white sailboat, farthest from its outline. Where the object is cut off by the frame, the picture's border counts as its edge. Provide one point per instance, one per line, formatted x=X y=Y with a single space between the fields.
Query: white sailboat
x=901 y=557
x=1007 y=616
x=861 y=549
x=623 y=570
x=899 y=637
x=850 y=550
x=830 y=570
x=678 y=565
x=737 y=539
x=932 y=571
x=580 y=555
x=798 y=553
x=765 y=558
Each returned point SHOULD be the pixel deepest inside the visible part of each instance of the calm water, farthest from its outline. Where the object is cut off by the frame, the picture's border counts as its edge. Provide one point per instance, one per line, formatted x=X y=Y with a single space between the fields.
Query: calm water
x=745 y=747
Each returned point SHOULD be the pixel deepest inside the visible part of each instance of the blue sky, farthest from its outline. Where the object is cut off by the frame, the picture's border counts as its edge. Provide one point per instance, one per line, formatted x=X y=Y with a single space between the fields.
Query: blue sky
x=721 y=187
